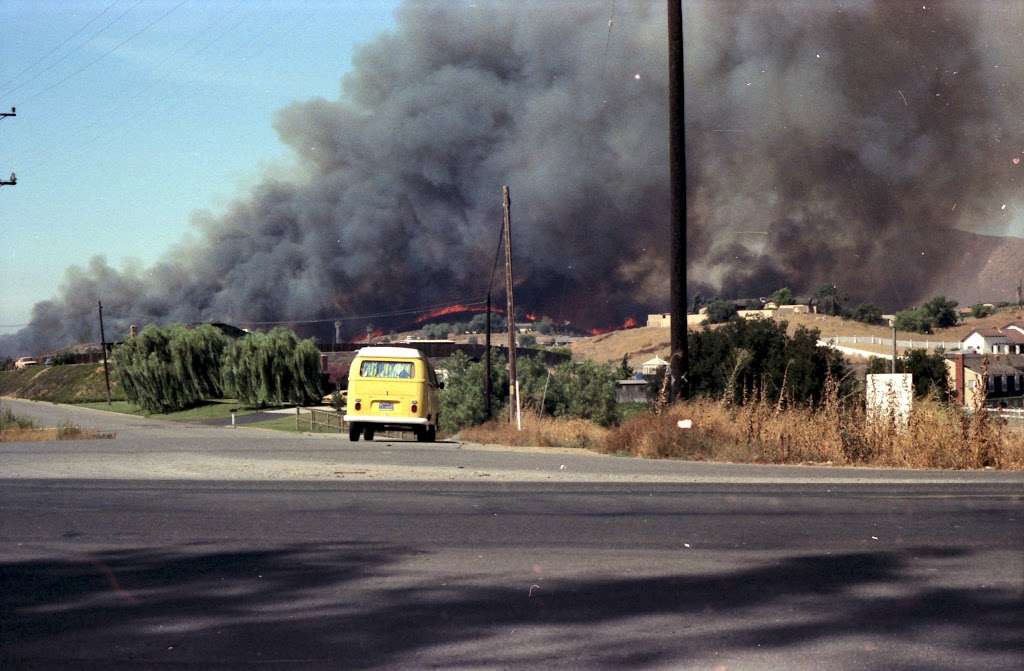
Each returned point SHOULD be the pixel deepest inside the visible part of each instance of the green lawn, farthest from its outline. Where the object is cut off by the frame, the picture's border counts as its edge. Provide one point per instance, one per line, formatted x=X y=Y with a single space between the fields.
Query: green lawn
x=287 y=423
x=210 y=409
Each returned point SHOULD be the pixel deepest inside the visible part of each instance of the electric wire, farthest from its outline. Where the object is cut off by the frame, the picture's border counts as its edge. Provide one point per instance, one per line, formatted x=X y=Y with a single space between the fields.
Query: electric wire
x=56 y=48
x=76 y=49
x=108 y=52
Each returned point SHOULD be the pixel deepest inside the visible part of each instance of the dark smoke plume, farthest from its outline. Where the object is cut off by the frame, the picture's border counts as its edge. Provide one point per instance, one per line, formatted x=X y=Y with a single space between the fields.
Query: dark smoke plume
x=827 y=142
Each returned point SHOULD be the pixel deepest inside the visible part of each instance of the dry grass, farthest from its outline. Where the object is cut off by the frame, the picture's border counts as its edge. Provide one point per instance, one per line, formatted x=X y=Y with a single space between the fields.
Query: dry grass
x=18 y=429
x=539 y=432
x=936 y=436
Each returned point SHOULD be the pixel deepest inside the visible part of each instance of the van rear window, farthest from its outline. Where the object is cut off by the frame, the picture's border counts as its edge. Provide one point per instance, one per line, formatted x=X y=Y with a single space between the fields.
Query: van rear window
x=388 y=369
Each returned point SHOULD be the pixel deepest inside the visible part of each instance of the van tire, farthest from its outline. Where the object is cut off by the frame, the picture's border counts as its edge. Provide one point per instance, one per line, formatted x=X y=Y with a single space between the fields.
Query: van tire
x=421 y=434
x=431 y=434
x=368 y=433
x=353 y=432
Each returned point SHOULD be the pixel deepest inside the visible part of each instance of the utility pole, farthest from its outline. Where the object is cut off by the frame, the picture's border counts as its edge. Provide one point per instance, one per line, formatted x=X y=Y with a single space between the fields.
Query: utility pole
x=893 y=324
x=103 y=349
x=510 y=314
x=487 y=356
x=14 y=178
x=679 y=360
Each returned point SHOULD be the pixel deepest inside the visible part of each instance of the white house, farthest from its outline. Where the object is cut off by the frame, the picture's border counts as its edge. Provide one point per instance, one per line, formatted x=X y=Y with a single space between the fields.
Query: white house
x=1007 y=340
x=652 y=366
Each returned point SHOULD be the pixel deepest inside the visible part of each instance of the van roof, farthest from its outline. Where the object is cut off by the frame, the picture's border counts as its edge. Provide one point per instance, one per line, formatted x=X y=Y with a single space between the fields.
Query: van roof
x=393 y=352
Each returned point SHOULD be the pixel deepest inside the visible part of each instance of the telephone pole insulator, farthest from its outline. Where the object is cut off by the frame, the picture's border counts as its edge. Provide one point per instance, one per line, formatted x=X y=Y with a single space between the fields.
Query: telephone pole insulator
x=14 y=179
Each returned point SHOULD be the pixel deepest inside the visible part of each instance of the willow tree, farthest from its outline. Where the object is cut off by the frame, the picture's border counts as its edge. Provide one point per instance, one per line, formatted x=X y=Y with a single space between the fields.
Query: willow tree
x=170 y=368
x=272 y=369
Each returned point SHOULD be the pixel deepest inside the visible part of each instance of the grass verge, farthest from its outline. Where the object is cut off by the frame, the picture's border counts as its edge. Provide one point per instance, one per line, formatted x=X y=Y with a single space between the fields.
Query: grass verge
x=936 y=436
x=539 y=432
x=209 y=409
x=18 y=429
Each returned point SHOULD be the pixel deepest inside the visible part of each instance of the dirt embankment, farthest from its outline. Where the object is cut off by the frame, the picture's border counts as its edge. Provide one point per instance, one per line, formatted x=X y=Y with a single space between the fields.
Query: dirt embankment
x=76 y=383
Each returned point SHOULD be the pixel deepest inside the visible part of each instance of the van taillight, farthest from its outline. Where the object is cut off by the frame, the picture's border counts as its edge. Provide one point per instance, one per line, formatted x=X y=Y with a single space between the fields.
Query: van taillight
x=359 y=404
x=414 y=406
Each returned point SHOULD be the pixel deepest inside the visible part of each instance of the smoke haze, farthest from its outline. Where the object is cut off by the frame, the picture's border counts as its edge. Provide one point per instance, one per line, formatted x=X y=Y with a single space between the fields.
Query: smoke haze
x=826 y=142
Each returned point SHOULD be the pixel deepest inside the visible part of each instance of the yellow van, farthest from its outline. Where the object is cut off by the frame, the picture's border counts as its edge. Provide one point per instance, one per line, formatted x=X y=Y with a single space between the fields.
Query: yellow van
x=392 y=388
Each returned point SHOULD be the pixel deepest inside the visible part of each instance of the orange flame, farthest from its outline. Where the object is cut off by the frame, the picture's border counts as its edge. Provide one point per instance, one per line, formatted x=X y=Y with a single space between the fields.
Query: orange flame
x=452 y=310
x=630 y=323
x=373 y=334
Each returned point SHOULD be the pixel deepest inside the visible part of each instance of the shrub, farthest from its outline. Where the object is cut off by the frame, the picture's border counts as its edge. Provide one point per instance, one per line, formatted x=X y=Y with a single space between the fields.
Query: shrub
x=272 y=369
x=980 y=311
x=929 y=371
x=867 y=313
x=720 y=311
x=916 y=320
x=941 y=311
x=171 y=368
x=462 y=402
x=745 y=356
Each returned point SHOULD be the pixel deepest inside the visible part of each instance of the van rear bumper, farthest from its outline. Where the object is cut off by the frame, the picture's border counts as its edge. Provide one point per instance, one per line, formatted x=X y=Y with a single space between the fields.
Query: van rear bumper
x=394 y=421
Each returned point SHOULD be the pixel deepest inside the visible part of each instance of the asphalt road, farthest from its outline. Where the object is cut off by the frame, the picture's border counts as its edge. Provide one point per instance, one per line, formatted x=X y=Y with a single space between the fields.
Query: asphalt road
x=664 y=565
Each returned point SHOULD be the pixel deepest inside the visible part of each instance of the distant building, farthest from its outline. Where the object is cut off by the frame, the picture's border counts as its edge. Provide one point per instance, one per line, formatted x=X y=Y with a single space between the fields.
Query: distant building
x=631 y=391
x=653 y=366
x=660 y=320
x=1006 y=340
x=1000 y=375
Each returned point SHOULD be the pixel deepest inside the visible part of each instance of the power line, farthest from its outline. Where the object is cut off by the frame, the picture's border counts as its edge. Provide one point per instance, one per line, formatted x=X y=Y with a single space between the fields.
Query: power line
x=77 y=48
x=65 y=41
x=109 y=51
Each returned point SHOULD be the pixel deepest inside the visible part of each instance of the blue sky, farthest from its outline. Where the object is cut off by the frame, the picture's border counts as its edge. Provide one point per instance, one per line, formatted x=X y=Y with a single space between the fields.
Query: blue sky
x=153 y=110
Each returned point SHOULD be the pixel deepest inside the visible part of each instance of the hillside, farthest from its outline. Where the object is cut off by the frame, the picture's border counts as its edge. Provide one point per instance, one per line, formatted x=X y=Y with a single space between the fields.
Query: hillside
x=642 y=343
x=76 y=383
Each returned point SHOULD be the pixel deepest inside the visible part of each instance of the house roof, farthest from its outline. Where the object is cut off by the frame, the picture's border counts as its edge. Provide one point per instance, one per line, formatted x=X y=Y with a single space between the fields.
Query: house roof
x=1015 y=336
x=656 y=361
x=998 y=364
x=987 y=333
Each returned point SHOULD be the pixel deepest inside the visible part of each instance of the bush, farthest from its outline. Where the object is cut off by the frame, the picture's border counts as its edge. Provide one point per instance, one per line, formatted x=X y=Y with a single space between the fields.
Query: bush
x=929 y=371
x=941 y=311
x=916 y=320
x=980 y=311
x=867 y=313
x=720 y=311
x=172 y=368
x=462 y=402
x=272 y=369
x=782 y=297
x=745 y=356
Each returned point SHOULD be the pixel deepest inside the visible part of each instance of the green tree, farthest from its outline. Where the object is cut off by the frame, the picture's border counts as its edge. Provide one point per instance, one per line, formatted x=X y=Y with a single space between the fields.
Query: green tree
x=171 y=368
x=720 y=311
x=272 y=369
x=782 y=297
x=545 y=326
x=462 y=402
x=527 y=340
x=980 y=310
x=770 y=357
x=436 y=331
x=929 y=371
x=867 y=313
x=586 y=390
x=829 y=300
x=916 y=320
x=941 y=311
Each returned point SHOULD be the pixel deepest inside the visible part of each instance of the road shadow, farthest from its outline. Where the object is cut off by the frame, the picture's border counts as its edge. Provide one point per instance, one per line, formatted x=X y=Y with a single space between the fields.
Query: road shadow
x=354 y=606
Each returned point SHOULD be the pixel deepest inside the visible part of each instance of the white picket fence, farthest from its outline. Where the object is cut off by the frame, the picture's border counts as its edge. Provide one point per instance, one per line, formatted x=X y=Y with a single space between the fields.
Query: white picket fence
x=904 y=344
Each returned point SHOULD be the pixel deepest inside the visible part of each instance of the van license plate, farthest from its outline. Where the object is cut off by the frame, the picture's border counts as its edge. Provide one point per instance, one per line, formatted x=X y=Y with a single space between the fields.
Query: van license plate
x=386 y=405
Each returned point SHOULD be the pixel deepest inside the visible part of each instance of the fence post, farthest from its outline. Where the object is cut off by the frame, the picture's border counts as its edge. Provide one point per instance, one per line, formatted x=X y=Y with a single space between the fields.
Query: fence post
x=297 y=427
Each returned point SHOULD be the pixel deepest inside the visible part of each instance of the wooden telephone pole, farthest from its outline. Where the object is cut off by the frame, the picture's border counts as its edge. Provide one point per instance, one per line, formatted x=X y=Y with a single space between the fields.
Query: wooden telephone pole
x=679 y=361
x=510 y=315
